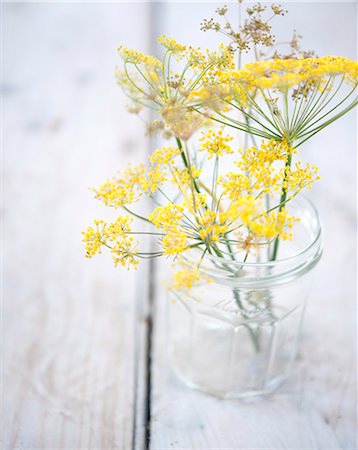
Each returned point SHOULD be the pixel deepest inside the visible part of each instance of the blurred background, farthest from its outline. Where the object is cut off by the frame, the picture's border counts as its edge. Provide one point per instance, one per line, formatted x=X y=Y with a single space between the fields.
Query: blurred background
x=73 y=327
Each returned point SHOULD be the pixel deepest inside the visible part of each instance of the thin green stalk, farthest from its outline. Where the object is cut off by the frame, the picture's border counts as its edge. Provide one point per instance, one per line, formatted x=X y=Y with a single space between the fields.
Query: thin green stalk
x=137 y=87
x=317 y=130
x=144 y=232
x=317 y=108
x=276 y=113
x=259 y=109
x=163 y=73
x=305 y=131
x=215 y=177
x=135 y=214
x=243 y=127
x=185 y=161
x=283 y=199
x=247 y=114
x=308 y=109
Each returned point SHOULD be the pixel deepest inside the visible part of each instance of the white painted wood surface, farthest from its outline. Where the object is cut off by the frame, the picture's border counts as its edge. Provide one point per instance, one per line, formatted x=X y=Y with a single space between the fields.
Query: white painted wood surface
x=71 y=326
x=75 y=331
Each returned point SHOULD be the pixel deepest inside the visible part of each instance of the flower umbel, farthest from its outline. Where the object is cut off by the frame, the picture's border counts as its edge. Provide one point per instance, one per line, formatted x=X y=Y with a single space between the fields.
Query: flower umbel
x=229 y=213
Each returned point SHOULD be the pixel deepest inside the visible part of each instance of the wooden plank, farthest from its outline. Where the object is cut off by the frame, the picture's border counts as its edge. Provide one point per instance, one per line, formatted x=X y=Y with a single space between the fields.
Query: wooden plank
x=69 y=324
x=316 y=409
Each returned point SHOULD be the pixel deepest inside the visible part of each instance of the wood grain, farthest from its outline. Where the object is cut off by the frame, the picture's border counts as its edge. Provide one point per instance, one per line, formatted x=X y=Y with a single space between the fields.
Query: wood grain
x=70 y=325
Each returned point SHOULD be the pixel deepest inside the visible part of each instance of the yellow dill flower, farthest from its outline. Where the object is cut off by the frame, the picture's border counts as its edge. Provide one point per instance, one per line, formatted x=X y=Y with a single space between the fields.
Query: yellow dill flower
x=156 y=177
x=195 y=201
x=287 y=73
x=166 y=217
x=269 y=226
x=124 y=252
x=185 y=278
x=258 y=158
x=212 y=96
x=115 y=237
x=150 y=82
x=182 y=121
x=246 y=207
x=135 y=57
x=171 y=44
x=222 y=59
x=231 y=214
x=93 y=238
x=124 y=189
x=260 y=165
x=210 y=229
x=115 y=193
x=118 y=228
x=164 y=155
x=211 y=62
x=196 y=58
x=300 y=177
x=174 y=242
x=303 y=78
x=184 y=177
x=212 y=232
x=214 y=143
x=133 y=175
x=234 y=184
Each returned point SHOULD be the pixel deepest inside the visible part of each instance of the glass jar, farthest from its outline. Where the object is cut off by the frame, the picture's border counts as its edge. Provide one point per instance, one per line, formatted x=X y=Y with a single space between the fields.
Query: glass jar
x=235 y=332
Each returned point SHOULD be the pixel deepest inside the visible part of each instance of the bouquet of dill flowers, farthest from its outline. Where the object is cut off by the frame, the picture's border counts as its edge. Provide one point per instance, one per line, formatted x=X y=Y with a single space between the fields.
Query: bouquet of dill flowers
x=221 y=211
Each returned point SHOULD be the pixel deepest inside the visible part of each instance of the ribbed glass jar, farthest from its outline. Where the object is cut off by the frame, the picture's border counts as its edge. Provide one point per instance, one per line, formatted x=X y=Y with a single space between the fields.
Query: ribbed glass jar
x=235 y=333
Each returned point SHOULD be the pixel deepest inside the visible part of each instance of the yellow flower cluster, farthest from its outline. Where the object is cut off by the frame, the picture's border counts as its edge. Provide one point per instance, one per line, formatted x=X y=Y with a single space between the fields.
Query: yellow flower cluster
x=211 y=63
x=214 y=96
x=124 y=252
x=124 y=189
x=282 y=74
x=174 y=242
x=232 y=212
x=150 y=82
x=234 y=184
x=158 y=174
x=269 y=226
x=171 y=44
x=182 y=121
x=156 y=177
x=116 y=237
x=166 y=217
x=92 y=238
x=215 y=143
x=135 y=57
x=164 y=155
x=300 y=177
x=194 y=202
x=260 y=165
x=210 y=230
x=247 y=208
x=236 y=200
x=183 y=178
x=185 y=278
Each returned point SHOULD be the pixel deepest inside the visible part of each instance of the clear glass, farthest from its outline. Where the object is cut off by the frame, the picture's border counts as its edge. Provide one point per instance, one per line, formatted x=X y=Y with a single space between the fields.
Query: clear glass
x=237 y=335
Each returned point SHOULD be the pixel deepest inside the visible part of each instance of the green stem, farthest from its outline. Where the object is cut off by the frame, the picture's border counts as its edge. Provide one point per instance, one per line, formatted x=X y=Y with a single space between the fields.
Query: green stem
x=185 y=161
x=135 y=215
x=283 y=199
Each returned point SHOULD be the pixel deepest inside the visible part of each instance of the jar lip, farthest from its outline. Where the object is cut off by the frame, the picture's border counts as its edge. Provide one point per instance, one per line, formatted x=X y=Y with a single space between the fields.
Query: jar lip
x=283 y=260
